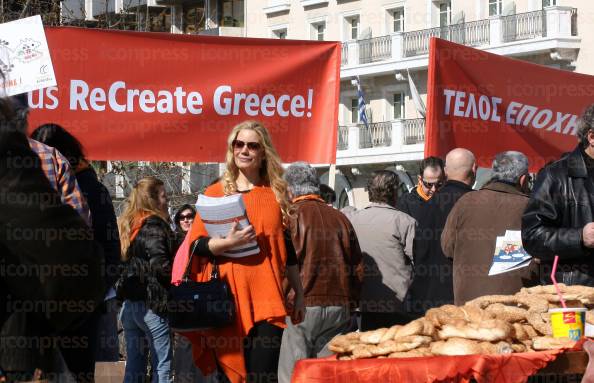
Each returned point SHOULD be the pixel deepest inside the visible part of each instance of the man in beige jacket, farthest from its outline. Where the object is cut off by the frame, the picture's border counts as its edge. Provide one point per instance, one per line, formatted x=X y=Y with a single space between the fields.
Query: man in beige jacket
x=386 y=238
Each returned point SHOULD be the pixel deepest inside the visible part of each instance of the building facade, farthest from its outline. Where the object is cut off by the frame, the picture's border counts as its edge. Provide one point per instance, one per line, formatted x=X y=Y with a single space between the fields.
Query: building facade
x=384 y=42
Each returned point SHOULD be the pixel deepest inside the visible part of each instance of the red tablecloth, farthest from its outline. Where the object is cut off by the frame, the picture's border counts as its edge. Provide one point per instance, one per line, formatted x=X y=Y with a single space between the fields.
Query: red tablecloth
x=510 y=368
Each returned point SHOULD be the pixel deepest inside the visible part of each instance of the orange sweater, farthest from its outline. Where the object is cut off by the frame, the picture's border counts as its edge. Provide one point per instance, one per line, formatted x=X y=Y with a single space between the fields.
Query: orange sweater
x=256 y=283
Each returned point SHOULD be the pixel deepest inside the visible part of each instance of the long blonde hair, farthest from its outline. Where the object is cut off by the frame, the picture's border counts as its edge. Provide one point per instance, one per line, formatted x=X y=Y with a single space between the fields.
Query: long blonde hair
x=271 y=169
x=143 y=200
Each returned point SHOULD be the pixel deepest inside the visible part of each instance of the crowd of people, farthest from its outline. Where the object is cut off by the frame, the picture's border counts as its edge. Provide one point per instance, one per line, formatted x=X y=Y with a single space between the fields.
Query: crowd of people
x=71 y=270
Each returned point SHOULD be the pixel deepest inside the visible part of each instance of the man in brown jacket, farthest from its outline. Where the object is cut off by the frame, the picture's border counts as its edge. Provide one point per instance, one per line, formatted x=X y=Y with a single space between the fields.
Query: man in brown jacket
x=329 y=260
x=477 y=220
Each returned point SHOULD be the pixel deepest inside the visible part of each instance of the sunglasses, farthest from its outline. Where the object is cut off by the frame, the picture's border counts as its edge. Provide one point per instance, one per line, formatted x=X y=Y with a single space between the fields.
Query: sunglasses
x=186 y=216
x=252 y=146
x=429 y=185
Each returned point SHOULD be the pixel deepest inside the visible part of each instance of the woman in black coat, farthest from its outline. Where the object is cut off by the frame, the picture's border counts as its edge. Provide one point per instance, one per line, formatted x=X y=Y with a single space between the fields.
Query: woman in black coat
x=148 y=246
x=101 y=329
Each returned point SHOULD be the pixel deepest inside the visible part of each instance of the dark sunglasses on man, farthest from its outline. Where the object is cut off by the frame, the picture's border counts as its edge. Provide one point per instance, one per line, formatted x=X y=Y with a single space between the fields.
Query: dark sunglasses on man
x=252 y=146
x=430 y=185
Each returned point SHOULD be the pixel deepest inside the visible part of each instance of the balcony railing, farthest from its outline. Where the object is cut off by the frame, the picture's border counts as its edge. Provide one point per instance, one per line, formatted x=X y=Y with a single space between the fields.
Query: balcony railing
x=375 y=135
x=481 y=33
x=524 y=26
x=473 y=34
x=385 y=137
x=344 y=54
x=343 y=138
x=375 y=49
x=413 y=131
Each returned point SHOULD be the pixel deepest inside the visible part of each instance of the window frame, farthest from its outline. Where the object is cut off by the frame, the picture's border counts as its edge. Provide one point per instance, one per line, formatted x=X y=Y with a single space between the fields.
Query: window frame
x=388 y=18
x=320 y=30
x=356 y=28
x=311 y=29
x=402 y=105
x=400 y=11
x=498 y=7
x=345 y=24
x=447 y=12
x=314 y=26
x=275 y=29
x=226 y=13
x=550 y=3
x=354 y=111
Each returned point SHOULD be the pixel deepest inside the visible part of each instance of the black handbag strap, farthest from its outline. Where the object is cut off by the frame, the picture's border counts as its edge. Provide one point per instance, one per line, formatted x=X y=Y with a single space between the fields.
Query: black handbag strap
x=215 y=268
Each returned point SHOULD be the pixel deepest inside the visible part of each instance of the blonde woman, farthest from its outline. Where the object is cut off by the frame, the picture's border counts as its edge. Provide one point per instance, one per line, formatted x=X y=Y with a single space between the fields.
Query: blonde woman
x=147 y=244
x=249 y=349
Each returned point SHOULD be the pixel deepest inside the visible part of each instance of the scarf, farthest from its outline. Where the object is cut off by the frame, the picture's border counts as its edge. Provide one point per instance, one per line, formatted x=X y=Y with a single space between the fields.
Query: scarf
x=314 y=197
x=422 y=194
x=137 y=223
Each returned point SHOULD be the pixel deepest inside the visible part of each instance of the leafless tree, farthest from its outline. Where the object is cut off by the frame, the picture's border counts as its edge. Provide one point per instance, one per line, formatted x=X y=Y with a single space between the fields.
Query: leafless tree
x=121 y=176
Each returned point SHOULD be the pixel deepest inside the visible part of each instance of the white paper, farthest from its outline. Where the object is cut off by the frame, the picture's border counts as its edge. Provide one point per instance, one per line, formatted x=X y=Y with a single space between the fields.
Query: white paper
x=509 y=253
x=25 y=59
x=219 y=214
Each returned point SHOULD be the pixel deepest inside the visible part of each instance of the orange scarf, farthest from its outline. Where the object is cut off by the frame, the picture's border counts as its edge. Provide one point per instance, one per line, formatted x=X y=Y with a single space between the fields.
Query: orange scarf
x=137 y=223
x=307 y=197
x=422 y=194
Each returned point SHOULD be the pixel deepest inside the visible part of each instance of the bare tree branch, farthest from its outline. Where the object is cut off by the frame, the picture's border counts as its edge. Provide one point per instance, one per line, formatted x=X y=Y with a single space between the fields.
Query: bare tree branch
x=122 y=175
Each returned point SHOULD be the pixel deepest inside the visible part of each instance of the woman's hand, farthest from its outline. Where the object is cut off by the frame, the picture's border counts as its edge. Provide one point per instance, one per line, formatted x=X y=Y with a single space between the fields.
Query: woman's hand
x=298 y=314
x=235 y=237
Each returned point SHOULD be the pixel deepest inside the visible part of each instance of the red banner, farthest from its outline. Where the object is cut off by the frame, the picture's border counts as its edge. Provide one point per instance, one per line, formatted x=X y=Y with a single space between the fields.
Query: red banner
x=489 y=104
x=168 y=97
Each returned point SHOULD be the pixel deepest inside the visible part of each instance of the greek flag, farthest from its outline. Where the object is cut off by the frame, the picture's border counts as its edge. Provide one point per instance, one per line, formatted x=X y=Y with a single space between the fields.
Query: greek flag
x=361 y=104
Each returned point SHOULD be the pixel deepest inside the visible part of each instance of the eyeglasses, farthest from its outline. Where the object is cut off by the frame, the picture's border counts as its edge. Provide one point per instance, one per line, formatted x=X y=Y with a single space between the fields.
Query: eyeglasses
x=186 y=216
x=252 y=146
x=430 y=185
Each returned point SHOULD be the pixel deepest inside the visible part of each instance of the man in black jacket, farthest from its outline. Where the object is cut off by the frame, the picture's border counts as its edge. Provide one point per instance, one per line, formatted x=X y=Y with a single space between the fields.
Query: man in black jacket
x=50 y=269
x=558 y=219
x=432 y=284
x=430 y=179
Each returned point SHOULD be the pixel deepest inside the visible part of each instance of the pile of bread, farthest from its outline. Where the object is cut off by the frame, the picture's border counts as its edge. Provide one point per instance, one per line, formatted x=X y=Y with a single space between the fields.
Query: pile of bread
x=493 y=324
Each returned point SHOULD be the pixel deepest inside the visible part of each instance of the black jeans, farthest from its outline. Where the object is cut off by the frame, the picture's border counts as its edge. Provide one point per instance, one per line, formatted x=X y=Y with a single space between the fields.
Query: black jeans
x=261 y=352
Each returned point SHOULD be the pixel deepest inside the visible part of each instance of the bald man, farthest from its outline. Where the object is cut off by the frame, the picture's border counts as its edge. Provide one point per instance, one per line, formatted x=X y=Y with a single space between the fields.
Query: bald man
x=433 y=282
x=460 y=166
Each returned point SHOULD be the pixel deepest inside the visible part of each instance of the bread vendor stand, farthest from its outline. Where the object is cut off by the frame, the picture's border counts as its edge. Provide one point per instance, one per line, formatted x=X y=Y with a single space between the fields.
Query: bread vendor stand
x=510 y=368
x=479 y=367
